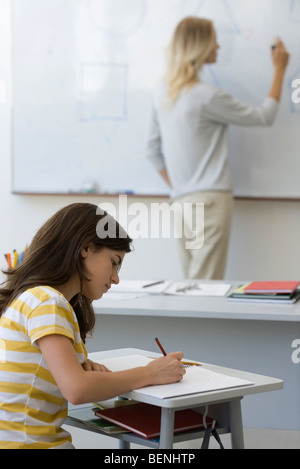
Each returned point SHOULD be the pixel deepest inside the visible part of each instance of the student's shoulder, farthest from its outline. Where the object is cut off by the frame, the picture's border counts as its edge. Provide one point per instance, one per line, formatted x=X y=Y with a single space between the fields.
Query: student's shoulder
x=40 y=295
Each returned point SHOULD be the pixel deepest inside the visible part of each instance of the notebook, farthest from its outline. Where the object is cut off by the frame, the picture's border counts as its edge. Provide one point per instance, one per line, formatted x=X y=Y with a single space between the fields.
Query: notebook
x=272 y=287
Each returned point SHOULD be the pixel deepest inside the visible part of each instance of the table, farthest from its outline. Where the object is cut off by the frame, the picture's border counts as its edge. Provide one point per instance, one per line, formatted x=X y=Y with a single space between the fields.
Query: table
x=200 y=307
x=224 y=405
x=250 y=336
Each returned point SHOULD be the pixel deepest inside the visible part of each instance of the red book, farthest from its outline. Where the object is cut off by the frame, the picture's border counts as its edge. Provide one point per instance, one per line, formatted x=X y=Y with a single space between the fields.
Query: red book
x=144 y=419
x=272 y=287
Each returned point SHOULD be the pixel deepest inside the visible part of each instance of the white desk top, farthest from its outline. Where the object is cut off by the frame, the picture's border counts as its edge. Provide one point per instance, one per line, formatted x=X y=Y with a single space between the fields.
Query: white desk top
x=198 y=307
x=261 y=384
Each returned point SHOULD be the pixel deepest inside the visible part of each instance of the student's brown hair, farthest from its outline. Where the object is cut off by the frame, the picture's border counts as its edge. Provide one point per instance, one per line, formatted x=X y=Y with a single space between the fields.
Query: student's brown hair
x=54 y=256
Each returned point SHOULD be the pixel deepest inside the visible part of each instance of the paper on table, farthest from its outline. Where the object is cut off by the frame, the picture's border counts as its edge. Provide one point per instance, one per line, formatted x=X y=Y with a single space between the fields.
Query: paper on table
x=125 y=362
x=169 y=288
x=138 y=286
x=196 y=380
x=122 y=296
x=198 y=289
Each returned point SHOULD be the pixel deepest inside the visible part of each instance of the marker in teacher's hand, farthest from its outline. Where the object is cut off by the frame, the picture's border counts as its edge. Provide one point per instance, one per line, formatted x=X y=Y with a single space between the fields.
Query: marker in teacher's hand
x=275 y=43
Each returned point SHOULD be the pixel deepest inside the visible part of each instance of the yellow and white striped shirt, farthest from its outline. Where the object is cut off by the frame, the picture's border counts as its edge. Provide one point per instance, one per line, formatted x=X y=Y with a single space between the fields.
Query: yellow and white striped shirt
x=32 y=408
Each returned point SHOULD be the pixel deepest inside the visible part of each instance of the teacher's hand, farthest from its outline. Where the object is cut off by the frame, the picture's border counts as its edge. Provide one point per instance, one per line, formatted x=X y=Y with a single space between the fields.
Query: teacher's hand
x=280 y=55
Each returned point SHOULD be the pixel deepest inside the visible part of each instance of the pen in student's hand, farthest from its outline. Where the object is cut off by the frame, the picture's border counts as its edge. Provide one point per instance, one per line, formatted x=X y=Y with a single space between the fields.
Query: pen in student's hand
x=152 y=284
x=186 y=364
x=160 y=346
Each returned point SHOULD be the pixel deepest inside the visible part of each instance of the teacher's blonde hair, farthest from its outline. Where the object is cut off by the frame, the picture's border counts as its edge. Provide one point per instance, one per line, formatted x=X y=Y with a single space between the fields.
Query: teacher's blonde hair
x=192 y=42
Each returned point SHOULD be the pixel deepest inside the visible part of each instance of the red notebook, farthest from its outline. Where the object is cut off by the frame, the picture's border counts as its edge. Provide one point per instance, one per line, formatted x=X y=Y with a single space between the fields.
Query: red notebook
x=144 y=419
x=272 y=287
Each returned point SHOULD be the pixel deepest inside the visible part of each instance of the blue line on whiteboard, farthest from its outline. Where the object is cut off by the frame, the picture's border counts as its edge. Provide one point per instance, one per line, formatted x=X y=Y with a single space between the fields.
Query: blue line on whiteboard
x=109 y=131
x=231 y=16
x=294 y=10
x=214 y=78
x=199 y=6
x=101 y=11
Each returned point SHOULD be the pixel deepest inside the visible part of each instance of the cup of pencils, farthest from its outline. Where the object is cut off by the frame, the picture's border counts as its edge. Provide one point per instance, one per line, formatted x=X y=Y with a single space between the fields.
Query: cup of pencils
x=14 y=259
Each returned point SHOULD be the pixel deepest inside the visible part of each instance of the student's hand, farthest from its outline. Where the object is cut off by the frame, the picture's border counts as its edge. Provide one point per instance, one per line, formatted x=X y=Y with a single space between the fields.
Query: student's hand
x=89 y=365
x=280 y=55
x=167 y=369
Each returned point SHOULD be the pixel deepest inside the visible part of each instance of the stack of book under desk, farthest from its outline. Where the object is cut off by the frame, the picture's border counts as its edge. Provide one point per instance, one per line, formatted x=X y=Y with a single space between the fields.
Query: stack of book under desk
x=84 y=417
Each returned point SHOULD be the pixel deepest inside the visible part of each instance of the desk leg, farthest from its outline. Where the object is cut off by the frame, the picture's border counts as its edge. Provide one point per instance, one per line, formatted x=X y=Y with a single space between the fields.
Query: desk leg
x=166 y=429
x=236 y=424
x=124 y=444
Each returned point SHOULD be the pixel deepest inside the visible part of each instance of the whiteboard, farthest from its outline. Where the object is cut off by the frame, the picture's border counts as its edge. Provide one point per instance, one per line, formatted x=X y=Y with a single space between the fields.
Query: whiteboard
x=84 y=72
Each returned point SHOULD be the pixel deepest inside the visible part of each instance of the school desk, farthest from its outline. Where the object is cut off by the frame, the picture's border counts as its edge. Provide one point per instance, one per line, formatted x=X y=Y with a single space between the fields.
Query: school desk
x=253 y=337
x=223 y=405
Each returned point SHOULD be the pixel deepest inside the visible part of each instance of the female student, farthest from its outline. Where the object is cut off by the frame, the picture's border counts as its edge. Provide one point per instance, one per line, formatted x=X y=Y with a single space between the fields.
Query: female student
x=45 y=316
x=188 y=140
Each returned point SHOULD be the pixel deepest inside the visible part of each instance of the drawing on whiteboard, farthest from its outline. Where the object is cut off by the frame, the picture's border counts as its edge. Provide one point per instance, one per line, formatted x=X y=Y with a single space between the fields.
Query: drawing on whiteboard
x=222 y=10
x=199 y=7
x=109 y=131
x=116 y=17
x=213 y=76
x=294 y=10
x=103 y=92
x=83 y=83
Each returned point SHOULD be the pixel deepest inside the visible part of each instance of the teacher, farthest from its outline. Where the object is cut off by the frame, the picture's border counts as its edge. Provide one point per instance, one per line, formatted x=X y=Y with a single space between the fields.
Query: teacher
x=188 y=140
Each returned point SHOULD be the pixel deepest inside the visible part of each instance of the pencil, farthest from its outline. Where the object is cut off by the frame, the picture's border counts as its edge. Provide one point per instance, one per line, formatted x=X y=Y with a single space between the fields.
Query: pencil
x=15 y=259
x=186 y=364
x=153 y=284
x=160 y=346
x=8 y=259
